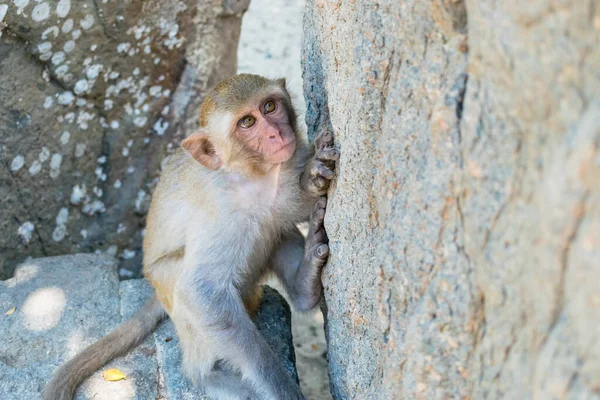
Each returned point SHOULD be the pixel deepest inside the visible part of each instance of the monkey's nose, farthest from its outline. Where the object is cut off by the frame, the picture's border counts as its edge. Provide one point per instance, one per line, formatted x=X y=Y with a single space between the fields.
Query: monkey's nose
x=273 y=135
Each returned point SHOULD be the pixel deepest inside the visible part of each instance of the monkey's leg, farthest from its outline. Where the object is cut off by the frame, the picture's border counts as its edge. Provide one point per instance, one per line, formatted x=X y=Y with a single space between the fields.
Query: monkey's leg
x=298 y=264
x=213 y=324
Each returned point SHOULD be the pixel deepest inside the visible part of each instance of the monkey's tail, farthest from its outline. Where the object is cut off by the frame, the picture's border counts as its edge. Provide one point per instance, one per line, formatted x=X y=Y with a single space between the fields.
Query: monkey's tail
x=70 y=375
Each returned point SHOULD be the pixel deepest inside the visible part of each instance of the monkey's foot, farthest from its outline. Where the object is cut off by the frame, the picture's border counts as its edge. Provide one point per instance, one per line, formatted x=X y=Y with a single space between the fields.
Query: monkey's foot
x=317 y=250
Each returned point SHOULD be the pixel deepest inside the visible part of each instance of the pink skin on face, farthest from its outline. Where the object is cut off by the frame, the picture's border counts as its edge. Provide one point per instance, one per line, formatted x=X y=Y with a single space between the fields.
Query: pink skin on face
x=271 y=135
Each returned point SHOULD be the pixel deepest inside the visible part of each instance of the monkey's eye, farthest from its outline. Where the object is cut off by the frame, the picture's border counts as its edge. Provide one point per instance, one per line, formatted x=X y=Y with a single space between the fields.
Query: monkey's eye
x=247 y=121
x=269 y=107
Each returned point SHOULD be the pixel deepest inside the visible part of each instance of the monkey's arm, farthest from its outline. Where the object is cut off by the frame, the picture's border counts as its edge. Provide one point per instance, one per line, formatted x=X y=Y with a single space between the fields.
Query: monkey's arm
x=319 y=171
x=298 y=264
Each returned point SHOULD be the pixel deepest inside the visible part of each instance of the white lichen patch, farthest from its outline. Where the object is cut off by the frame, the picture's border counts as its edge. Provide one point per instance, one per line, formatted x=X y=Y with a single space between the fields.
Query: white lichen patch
x=121 y=228
x=80 y=149
x=101 y=160
x=87 y=22
x=77 y=194
x=26 y=231
x=21 y=4
x=48 y=102
x=83 y=118
x=44 y=154
x=51 y=30
x=125 y=273
x=93 y=71
x=67 y=26
x=155 y=91
x=59 y=233
x=64 y=138
x=58 y=57
x=81 y=102
x=128 y=254
x=62 y=71
x=81 y=86
x=83 y=233
x=117 y=184
x=125 y=151
x=17 y=163
x=108 y=104
x=123 y=47
x=139 y=200
x=114 y=124
x=94 y=207
x=44 y=47
x=93 y=47
x=140 y=121
x=55 y=163
x=63 y=7
x=76 y=34
x=66 y=98
x=46 y=56
x=69 y=46
x=160 y=127
x=63 y=216
x=35 y=168
x=3 y=10
x=40 y=12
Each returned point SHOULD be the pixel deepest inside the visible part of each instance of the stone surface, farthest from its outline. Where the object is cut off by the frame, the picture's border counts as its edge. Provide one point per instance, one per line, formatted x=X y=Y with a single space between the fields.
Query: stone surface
x=59 y=312
x=93 y=96
x=464 y=220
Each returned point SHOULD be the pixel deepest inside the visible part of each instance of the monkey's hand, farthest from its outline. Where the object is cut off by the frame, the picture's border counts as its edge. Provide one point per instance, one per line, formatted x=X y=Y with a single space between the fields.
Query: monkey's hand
x=320 y=168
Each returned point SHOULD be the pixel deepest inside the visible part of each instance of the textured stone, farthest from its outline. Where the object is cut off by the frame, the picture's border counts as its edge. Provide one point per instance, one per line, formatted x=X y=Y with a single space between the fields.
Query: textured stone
x=463 y=222
x=59 y=312
x=93 y=96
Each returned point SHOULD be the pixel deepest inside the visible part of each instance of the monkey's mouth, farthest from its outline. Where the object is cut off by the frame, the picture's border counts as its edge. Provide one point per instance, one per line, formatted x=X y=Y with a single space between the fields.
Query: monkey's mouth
x=285 y=151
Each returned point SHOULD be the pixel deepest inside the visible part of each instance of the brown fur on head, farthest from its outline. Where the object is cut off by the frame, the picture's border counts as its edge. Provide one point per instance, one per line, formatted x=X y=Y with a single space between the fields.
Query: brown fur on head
x=246 y=121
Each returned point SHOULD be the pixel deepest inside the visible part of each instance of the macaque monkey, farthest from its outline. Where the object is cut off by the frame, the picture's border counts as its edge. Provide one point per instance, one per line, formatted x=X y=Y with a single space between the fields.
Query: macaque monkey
x=222 y=217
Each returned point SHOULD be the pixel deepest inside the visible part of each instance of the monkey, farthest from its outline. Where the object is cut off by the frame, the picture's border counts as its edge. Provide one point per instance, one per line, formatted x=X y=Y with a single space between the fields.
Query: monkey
x=223 y=217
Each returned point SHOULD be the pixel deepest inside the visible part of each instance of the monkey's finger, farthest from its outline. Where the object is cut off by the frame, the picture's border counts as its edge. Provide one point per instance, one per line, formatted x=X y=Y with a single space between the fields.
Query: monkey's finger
x=321 y=170
x=321 y=203
x=317 y=219
x=319 y=182
x=325 y=139
x=329 y=154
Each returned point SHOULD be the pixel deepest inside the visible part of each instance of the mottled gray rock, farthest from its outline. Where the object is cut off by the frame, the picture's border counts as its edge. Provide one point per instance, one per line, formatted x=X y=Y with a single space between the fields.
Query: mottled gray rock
x=59 y=312
x=93 y=96
x=464 y=221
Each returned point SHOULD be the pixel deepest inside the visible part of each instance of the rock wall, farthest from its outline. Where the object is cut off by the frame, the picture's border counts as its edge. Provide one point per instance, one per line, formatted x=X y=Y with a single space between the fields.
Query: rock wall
x=93 y=96
x=465 y=219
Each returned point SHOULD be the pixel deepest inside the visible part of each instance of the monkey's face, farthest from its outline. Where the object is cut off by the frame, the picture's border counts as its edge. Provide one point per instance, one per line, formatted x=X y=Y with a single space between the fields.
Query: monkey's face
x=266 y=130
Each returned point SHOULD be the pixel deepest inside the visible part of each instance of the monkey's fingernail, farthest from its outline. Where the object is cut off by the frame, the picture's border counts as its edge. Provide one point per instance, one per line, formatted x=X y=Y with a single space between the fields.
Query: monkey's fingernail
x=322 y=250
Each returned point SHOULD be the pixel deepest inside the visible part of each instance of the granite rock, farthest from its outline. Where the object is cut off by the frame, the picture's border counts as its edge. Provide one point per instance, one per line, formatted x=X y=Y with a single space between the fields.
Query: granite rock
x=464 y=219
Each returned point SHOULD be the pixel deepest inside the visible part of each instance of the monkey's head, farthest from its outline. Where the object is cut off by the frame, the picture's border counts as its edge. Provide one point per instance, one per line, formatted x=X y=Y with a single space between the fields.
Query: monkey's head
x=245 y=121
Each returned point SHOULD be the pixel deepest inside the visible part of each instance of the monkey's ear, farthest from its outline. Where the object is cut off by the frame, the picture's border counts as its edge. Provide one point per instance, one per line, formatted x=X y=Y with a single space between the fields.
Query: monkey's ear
x=281 y=82
x=202 y=149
